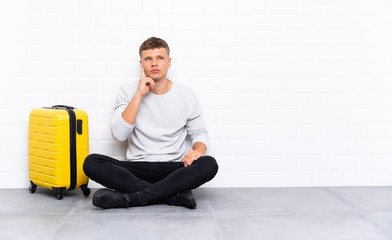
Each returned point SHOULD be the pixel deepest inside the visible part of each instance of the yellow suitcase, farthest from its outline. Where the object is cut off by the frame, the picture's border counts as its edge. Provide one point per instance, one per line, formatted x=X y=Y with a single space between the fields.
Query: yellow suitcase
x=58 y=145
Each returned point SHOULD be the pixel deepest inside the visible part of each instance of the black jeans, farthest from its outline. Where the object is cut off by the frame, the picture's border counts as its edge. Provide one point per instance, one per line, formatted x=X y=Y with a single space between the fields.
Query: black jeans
x=150 y=182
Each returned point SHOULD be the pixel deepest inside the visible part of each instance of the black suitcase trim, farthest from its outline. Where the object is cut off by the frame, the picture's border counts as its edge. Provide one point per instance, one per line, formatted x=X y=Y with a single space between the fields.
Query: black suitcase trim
x=72 y=126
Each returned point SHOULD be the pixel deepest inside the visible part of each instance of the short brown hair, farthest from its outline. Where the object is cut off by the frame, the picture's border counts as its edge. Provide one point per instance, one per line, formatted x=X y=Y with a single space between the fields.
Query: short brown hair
x=152 y=43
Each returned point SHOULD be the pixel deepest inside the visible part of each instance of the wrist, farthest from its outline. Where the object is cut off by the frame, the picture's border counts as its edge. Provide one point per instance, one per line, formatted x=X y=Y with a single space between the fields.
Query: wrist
x=200 y=148
x=138 y=95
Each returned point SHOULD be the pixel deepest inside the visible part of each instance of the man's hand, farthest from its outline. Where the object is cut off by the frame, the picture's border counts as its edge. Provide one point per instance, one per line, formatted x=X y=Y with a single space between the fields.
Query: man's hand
x=145 y=83
x=191 y=156
x=197 y=151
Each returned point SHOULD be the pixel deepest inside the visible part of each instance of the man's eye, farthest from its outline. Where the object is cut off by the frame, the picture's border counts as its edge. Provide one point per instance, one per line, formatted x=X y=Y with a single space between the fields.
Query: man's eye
x=148 y=59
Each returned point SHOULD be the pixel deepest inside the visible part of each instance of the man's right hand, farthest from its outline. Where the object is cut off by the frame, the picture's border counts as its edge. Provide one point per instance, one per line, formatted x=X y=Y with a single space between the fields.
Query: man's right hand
x=145 y=83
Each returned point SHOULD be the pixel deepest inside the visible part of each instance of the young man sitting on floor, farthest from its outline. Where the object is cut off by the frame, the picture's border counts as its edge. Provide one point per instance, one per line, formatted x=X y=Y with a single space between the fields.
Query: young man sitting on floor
x=156 y=115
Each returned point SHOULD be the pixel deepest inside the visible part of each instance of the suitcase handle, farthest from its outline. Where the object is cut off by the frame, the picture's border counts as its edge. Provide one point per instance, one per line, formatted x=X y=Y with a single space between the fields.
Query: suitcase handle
x=63 y=106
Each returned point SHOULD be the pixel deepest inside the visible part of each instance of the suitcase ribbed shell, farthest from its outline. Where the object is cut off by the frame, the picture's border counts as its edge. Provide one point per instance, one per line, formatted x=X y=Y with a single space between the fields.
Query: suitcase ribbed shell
x=49 y=148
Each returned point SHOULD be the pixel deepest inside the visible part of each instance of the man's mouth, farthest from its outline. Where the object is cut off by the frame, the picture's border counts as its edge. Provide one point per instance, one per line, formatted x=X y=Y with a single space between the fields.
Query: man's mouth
x=155 y=71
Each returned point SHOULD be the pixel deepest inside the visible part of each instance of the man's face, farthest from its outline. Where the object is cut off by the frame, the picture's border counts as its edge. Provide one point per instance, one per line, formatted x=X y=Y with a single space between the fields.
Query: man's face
x=156 y=63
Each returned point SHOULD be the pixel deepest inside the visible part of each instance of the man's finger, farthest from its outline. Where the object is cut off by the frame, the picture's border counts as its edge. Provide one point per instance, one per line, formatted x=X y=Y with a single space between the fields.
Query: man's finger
x=186 y=164
x=151 y=83
x=186 y=160
x=195 y=155
x=190 y=157
x=143 y=74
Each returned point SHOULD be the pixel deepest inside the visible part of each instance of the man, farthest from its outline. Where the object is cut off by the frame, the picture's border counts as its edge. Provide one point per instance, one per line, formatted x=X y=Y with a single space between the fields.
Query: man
x=155 y=115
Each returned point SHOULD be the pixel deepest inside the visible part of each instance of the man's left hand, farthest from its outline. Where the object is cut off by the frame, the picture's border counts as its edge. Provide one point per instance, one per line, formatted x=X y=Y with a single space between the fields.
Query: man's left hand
x=191 y=156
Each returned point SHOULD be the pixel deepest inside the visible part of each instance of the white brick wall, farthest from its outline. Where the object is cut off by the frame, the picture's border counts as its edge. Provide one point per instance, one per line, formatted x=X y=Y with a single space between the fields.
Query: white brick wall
x=295 y=92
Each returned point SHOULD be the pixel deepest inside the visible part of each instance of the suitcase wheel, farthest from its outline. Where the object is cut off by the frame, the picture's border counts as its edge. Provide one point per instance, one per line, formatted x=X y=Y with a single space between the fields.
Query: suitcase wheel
x=32 y=187
x=59 y=194
x=86 y=191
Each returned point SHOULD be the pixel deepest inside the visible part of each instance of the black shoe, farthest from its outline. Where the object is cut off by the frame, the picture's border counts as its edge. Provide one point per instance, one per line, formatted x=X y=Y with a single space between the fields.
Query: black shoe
x=184 y=199
x=106 y=198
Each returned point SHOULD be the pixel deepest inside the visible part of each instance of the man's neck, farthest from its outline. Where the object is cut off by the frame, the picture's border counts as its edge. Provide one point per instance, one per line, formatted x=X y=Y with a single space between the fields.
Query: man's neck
x=162 y=86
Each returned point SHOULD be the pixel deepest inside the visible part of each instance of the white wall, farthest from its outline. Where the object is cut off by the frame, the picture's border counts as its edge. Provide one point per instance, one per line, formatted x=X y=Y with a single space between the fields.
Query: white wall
x=295 y=92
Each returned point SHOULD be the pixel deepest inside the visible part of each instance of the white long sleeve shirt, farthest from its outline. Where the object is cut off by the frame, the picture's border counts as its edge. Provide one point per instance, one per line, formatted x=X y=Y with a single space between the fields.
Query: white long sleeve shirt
x=162 y=124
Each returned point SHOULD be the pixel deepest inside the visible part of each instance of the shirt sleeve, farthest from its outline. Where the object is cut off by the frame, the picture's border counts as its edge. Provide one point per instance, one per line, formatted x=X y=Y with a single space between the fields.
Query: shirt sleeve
x=196 y=127
x=121 y=129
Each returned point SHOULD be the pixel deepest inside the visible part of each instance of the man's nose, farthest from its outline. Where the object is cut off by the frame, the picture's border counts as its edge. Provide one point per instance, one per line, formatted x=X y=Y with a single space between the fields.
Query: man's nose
x=154 y=62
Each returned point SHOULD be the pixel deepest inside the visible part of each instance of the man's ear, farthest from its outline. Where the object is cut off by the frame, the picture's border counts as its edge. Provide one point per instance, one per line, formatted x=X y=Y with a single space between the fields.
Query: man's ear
x=169 y=62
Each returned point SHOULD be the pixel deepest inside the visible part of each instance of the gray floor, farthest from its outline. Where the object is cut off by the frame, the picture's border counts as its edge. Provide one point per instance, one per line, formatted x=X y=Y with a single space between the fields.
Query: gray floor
x=356 y=213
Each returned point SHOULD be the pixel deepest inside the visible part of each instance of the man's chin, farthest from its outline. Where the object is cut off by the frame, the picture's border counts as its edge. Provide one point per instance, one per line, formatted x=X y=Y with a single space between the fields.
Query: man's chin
x=157 y=79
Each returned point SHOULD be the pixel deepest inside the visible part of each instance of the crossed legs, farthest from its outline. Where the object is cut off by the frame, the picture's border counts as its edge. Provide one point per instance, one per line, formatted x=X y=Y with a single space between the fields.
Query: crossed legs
x=144 y=183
